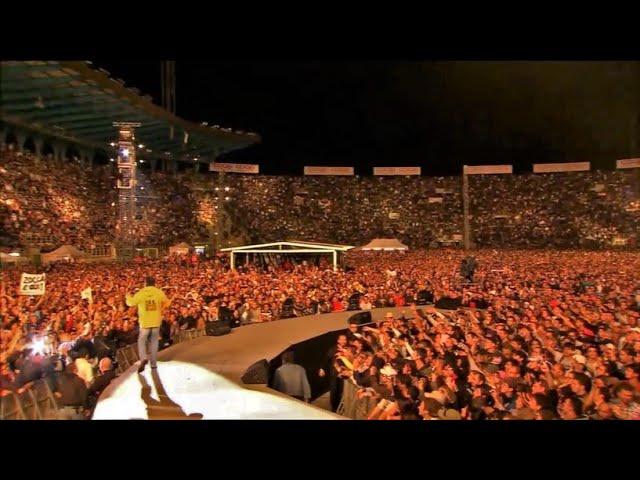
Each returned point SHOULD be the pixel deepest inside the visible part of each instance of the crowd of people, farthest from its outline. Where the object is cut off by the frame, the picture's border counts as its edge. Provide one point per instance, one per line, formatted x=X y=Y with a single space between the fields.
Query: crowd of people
x=559 y=210
x=60 y=203
x=66 y=203
x=537 y=335
x=531 y=326
x=50 y=204
x=352 y=210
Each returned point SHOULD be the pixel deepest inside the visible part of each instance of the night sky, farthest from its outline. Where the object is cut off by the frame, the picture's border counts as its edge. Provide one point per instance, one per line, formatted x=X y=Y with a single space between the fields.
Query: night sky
x=438 y=115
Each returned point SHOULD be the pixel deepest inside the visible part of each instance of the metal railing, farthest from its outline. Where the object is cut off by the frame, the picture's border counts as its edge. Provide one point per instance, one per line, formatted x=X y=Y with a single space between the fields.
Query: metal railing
x=353 y=407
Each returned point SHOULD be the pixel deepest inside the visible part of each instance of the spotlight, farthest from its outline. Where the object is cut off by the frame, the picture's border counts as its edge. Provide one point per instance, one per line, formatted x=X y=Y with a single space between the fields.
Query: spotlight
x=111 y=160
x=14 y=254
x=38 y=346
x=141 y=146
x=113 y=144
x=125 y=152
x=226 y=189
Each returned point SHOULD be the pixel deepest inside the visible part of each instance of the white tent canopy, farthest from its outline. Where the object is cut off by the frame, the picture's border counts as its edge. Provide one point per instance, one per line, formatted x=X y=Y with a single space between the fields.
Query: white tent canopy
x=65 y=252
x=182 y=248
x=6 y=258
x=291 y=246
x=387 y=244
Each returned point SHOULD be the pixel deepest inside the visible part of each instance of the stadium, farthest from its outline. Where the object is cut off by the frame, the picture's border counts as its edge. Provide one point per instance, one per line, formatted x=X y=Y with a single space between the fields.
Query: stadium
x=460 y=276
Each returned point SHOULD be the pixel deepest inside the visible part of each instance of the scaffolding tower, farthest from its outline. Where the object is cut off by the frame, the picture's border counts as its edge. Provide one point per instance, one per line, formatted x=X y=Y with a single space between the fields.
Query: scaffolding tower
x=127 y=189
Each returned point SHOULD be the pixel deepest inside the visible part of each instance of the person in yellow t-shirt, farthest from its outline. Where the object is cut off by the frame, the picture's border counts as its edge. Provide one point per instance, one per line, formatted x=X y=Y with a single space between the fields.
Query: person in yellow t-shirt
x=151 y=302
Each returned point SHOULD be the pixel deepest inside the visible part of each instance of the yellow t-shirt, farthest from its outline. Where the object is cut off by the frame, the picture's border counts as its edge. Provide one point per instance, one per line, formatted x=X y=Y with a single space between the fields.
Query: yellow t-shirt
x=150 y=302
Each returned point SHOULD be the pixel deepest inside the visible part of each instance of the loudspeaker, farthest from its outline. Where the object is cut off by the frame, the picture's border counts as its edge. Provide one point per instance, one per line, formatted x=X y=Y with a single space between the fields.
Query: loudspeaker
x=424 y=297
x=287 y=309
x=354 y=302
x=215 y=329
x=447 y=303
x=257 y=373
x=361 y=318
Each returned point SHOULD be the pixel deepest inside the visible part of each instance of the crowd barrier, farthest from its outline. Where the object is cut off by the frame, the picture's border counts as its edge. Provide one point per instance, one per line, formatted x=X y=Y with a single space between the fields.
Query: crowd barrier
x=353 y=407
x=36 y=401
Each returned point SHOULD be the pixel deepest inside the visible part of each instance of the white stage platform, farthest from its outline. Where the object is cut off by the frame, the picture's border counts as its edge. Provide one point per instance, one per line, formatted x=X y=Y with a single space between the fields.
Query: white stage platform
x=200 y=379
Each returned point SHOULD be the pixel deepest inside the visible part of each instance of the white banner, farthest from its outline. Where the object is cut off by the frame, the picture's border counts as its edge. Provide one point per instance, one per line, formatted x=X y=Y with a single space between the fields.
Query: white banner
x=32 y=284
x=561 y=167
x=435 y=199
x=234 y=167
x=487 y=169
x=628 y=163
x=397 y=170
x=328 y=171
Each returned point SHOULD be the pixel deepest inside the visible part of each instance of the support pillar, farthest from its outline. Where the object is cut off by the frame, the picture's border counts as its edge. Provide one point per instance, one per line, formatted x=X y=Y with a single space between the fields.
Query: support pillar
x=3 y=137
x=174 y=166
x=86 y=158
x=21 y=138
x=196 y=167
x=335 y=260
x=59 y=150
x=233 y=261
x=82 y=158
x=38 y=143
x=154 y=164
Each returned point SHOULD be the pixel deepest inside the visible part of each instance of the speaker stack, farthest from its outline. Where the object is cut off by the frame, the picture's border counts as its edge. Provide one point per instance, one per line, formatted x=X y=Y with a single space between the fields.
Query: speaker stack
x=216 y=329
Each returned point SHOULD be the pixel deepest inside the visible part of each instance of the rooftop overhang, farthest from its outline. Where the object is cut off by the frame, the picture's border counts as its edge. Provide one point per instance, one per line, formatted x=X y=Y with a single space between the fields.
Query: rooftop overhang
x=75 y=102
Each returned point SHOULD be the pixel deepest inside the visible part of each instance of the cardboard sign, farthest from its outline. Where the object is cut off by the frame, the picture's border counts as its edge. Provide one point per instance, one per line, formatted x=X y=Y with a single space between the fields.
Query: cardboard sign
x=32 y=284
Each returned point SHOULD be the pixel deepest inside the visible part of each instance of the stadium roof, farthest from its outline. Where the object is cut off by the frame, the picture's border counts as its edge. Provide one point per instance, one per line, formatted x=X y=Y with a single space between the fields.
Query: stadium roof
x=78 y=103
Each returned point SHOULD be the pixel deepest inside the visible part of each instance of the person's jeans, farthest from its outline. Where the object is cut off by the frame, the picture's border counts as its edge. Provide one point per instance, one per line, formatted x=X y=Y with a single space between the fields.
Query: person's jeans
x=151 y=335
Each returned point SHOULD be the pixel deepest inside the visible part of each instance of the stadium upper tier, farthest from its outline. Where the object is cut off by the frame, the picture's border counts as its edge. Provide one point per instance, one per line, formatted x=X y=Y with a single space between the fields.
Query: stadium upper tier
x=75 y=103
x=68 y=203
